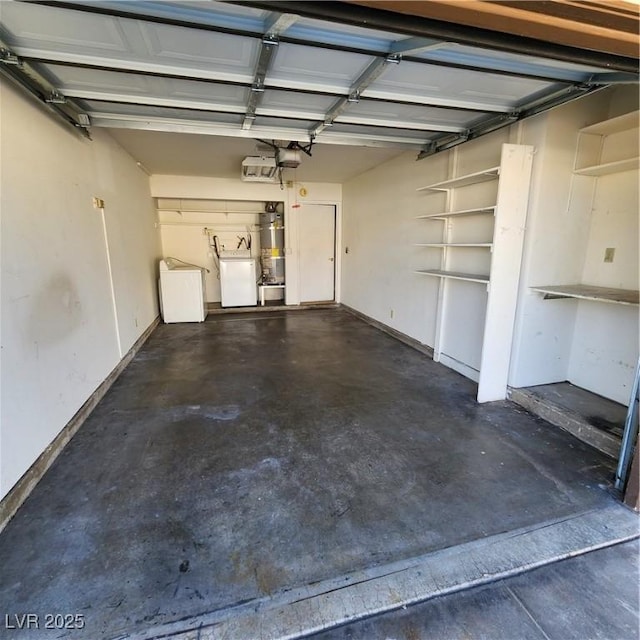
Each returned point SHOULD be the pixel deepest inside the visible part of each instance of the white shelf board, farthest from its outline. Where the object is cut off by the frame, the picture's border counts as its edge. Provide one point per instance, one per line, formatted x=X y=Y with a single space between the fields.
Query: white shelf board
x=454 y=275
x=614 y=125
x=454 y=244
x=465 y=212
x=609 y=167
x=462 y=181
x=590 y=292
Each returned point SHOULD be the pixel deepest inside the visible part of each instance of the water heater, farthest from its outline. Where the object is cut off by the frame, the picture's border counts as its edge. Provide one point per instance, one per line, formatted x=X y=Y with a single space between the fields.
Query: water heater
x=272 y=245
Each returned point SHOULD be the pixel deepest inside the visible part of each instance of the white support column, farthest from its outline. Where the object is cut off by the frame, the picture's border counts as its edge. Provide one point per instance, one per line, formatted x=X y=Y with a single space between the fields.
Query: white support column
x=510 y=220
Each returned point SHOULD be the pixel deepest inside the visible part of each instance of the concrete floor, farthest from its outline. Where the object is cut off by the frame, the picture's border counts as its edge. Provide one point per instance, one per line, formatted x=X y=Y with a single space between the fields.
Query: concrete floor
x=249 y=455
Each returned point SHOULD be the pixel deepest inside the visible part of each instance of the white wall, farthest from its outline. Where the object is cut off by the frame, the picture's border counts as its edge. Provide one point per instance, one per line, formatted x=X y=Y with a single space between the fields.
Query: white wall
x=379 y=229
x=59 y=334
x=178 y=240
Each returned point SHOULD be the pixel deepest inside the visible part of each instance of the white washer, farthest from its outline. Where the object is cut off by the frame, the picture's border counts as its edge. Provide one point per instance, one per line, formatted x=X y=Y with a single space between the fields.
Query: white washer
x=238 y=283
x=182 y=292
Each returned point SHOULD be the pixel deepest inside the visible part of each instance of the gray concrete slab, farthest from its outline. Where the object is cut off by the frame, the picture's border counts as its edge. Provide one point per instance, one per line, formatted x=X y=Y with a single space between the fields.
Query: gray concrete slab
x=593 y=596
x=250 y=455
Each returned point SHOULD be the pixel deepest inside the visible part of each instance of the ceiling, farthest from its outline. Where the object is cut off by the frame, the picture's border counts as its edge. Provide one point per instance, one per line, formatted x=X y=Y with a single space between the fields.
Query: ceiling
x=167 y=153
x=188 y=87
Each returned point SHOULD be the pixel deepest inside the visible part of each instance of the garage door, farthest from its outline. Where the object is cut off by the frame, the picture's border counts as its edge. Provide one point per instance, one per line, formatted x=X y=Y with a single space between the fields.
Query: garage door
x=242 y=70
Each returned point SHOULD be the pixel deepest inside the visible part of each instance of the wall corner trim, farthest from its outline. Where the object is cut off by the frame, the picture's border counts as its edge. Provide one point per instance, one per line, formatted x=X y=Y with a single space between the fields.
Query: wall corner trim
x=10 y=504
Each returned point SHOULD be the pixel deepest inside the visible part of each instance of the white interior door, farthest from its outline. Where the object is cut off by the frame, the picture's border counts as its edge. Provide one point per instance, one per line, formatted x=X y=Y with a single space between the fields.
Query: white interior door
x=316 y=242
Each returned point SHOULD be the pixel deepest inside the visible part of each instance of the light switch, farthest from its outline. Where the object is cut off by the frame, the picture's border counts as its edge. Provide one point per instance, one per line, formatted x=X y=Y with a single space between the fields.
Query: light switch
x=609 y=252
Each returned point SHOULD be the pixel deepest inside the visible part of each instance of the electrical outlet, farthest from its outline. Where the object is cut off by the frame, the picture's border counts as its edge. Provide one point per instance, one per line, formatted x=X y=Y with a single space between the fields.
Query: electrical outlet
x=98 y=203
x=609 y=253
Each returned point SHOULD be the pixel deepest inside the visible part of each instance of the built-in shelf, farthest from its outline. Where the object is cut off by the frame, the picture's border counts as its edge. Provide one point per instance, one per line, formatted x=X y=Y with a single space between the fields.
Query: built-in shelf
x=454 y=275
x=486 y=175
x=465 y=212
x=609 y=167
x=495 y=236
x=614 y=125
x=453 y=244
x=599 y=155
x=590 y=292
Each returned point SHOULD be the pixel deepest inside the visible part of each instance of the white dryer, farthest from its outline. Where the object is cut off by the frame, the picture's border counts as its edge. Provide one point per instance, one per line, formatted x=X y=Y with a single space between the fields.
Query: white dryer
x=182 y=292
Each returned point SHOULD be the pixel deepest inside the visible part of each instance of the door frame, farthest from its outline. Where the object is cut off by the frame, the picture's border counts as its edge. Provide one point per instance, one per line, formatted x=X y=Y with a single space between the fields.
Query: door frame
x=337 y=263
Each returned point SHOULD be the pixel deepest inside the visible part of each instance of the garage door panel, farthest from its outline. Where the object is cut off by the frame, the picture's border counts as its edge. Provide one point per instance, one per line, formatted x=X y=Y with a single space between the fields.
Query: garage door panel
x=81 y=82
x=228 y=16
x=342 y=35
x=363 y=130
x=462 y=54
x=45 y=27
x=270 y=122
x=78 y=78
x=413 y=78
x=324 y=69
x=196 y=62
x=194 y=48
x=151 y=112
x=303 y=103
x=75 y=36
x=416 y=114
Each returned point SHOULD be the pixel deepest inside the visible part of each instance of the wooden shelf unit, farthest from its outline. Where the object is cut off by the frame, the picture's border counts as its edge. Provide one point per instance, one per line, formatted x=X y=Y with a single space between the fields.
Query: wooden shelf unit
x=508 y=212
